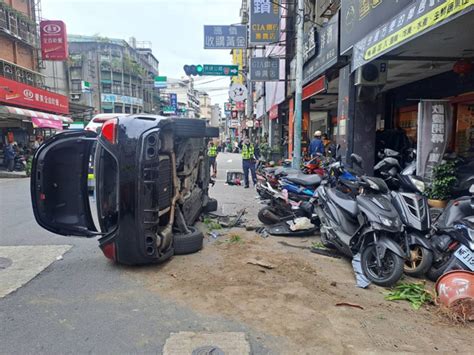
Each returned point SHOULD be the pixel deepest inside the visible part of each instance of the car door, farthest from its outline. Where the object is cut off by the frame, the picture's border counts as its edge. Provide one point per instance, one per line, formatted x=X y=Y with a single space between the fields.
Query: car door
x=59 y=190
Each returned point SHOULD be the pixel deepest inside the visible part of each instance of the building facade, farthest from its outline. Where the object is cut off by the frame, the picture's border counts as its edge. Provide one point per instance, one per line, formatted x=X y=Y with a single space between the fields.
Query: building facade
x=26 y=103
x=119 y=77
x=187 y=97
x=205 y=105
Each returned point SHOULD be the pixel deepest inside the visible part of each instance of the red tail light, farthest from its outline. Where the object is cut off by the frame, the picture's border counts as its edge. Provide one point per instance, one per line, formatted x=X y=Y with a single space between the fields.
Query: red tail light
x=109 y=130
x=109 y=251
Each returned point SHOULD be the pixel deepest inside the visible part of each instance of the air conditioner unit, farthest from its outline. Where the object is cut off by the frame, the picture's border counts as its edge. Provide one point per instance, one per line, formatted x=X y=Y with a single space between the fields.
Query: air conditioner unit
x=75 y=96
x=372 y=74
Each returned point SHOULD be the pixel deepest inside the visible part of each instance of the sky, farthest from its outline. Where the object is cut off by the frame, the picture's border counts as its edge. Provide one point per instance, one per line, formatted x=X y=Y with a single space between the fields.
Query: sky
x=175 y=28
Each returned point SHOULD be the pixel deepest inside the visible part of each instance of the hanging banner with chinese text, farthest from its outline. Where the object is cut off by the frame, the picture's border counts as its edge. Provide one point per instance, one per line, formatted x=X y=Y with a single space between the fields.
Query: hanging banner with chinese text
x=434 y=126
x=264 y=21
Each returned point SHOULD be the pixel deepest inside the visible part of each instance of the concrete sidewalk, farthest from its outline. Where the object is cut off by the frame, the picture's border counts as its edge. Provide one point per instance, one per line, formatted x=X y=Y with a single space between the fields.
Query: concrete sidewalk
x=5 y=174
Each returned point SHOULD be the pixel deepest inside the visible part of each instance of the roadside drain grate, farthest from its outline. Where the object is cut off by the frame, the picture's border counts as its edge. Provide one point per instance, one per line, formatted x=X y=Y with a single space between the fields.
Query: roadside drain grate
x=208 y=350
x=4 y=263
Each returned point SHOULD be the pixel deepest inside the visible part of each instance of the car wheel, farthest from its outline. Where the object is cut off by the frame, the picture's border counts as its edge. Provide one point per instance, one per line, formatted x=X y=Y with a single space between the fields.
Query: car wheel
x=211 y=206
x=189 y=128
x=212 y=132
x=188 y=243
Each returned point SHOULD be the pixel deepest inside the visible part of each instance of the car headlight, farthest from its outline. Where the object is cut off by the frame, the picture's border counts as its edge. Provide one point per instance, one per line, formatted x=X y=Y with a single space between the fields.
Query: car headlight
x=419 y=184
x=386 y=222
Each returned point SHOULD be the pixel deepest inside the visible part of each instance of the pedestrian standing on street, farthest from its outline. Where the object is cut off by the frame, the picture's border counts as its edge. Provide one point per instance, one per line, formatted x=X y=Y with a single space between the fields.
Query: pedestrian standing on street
x=249 y=158
x=10 y=156
x=316 y=146
x=212 y=154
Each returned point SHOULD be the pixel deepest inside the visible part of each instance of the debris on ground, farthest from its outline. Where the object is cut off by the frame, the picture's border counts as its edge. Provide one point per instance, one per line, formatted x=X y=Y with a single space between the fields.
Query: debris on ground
x=234 y=178
x=415 y=293
x=460 y=311
x=300 y=224
x=235 y=239
x=286 y=244
x=348 y=304
x=237 y=219
x=326 y=252
x=214 y=234
x=211 y=224
x=361 y=280
x=263 y=264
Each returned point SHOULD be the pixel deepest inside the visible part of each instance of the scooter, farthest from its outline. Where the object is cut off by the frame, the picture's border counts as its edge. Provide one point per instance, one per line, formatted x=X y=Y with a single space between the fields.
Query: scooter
x=452 y=237
x=367 y=224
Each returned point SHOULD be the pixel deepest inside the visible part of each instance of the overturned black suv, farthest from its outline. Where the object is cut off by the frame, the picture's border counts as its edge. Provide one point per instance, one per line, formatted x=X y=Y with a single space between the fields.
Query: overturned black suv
x=152 y=181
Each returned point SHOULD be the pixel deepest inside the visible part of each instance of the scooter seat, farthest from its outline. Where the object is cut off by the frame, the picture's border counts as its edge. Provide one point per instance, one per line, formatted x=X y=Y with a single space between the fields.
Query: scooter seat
x=343 y=201
x=283 y=171
x=305 y=180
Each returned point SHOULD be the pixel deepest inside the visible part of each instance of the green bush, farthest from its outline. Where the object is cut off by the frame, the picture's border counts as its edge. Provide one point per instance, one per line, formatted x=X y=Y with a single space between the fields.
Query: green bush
x=443 y=181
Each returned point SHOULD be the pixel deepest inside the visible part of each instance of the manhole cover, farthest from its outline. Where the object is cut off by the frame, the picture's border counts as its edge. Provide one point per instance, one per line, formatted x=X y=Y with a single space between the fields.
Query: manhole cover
x=4 y=263
x=208 y=350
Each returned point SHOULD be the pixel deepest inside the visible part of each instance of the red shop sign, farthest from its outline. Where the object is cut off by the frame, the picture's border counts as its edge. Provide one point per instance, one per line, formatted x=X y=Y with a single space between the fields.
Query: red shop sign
x=273 y=113
x=53 y=40
x=240 y=106
x=15 y=93
x=316 y=87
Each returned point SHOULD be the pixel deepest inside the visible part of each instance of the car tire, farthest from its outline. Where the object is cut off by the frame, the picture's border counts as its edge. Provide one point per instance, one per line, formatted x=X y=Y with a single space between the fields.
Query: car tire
x=189 y=128
x=212 y=132
x=211 y=206
x=188 y=243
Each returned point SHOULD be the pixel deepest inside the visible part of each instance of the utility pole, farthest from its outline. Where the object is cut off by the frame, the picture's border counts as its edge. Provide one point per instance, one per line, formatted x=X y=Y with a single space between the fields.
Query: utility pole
x=298 y=86
x=250 y=93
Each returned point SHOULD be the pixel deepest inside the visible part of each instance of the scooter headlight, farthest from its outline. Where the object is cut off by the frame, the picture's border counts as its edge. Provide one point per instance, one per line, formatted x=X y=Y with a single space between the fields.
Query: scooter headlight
x=419 y=184
x=387 y=222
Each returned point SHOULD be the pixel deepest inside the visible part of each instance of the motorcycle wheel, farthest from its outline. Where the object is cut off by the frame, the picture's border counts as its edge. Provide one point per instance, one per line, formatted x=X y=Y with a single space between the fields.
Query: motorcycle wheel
x=390 y=272
x=420 y=261
x=267 y=216
x=438 y=269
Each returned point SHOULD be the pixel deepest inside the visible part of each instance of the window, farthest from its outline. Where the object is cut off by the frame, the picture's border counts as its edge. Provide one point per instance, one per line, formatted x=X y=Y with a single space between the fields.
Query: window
x=107 y=88
x=118 y=109
x=117 y=87
x=107 y=110
x=127 y=109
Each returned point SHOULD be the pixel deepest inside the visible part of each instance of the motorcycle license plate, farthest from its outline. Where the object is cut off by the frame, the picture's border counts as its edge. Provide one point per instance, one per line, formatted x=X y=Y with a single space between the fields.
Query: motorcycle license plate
x=466 y=256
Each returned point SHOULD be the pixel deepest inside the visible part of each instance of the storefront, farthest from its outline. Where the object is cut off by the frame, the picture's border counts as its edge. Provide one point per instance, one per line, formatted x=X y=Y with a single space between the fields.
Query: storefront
x=399 y=62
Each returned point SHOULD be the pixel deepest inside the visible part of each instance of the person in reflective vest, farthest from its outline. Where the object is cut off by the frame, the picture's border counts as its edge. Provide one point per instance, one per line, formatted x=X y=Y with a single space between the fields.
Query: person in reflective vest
x=249 y=157
x=212 y=154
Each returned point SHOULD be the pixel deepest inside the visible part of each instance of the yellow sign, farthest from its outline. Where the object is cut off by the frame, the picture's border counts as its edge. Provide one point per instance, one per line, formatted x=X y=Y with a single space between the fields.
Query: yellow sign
x=238 y=59
x=442 y=12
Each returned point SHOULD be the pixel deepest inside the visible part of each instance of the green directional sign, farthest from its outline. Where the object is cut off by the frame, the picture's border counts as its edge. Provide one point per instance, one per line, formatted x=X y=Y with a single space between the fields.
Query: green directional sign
x=220 y=70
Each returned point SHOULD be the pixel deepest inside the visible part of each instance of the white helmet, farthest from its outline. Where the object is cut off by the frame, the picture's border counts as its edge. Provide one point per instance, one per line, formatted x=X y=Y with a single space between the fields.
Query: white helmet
x=318 y=134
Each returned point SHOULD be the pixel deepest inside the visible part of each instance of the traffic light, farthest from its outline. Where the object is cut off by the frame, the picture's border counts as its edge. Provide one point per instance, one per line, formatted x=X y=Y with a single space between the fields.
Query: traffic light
x=193 y=69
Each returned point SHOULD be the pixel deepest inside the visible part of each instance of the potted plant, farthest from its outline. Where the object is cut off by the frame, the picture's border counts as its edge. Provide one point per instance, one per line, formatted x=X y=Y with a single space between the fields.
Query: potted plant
x=443 y=181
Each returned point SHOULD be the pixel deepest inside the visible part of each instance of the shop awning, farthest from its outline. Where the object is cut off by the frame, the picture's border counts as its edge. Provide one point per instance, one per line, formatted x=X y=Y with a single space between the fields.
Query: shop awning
x=38 y=118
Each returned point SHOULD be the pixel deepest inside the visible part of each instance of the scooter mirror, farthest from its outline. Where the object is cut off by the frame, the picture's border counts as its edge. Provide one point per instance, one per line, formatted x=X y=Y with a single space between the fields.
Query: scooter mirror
x=471 y=189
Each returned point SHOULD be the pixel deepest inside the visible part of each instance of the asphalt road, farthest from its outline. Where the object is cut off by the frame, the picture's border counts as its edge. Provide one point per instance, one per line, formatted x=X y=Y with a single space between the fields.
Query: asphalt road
x=81 y=302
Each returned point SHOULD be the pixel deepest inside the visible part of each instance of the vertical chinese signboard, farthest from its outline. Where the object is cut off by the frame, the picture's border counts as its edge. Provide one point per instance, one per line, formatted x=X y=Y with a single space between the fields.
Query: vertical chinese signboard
x=238 y=59
x=264 y=21
x=53 y=40
x=434 y=123
x=174 y=102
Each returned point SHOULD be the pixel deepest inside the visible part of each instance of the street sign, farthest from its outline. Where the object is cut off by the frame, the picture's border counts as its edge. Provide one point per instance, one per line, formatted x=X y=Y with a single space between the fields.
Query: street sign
x=86 y=86
x=174 y=102
x=227 y=107
x=264 y=69
x=238 y=92
x=161 y=82
x=220 y=70
x=225 y=37
x=264 y=21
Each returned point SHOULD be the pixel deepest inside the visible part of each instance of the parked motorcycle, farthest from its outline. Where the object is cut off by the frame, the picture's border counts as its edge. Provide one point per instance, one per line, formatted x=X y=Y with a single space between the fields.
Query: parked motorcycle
x=367 y=224
x=452 y=237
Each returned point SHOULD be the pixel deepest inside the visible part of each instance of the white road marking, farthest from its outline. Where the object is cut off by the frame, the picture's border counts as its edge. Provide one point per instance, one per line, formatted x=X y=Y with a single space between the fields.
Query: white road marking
x=27 y=262
x=231 y=343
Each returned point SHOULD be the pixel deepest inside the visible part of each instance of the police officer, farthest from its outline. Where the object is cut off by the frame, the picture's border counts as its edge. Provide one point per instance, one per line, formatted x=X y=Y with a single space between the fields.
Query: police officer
x=249 y=156
x=212 y=154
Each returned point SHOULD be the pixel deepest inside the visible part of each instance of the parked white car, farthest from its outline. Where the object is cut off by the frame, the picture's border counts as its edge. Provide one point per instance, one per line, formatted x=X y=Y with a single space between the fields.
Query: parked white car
x=98 y=120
